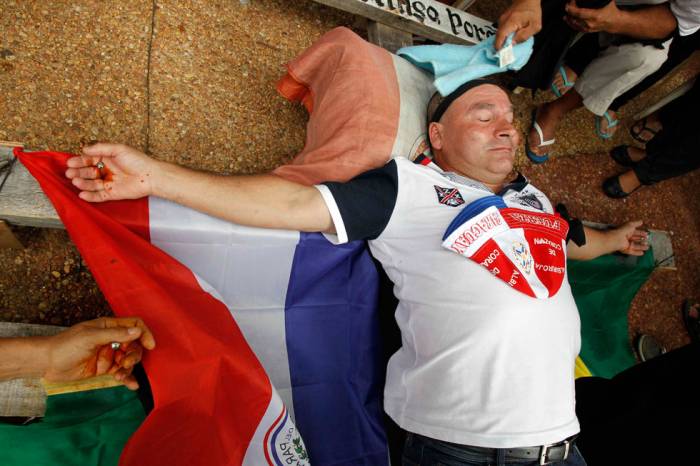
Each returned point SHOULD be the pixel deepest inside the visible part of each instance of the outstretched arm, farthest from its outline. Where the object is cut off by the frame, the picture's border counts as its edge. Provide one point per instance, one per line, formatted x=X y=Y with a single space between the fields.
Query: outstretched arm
x=627 y=239
x=265 y=201
x=82 y=351
x=649 y=22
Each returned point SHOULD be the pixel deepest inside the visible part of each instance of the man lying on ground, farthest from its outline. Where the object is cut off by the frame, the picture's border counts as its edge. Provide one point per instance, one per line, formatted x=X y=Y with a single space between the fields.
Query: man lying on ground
x=490 y=330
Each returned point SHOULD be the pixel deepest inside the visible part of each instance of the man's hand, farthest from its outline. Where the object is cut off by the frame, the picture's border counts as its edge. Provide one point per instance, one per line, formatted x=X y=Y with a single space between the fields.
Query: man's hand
x=627 y=239
x=630 y=239
x=524 y=17
x=591 y=19
x=84 y=350
x=109 y=172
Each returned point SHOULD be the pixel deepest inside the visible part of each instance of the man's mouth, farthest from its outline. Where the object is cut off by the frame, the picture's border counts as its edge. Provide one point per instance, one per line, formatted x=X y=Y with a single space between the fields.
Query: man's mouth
x=502 y=149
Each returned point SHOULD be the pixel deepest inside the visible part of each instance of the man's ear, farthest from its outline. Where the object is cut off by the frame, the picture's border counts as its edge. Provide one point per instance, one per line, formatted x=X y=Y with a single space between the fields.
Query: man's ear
x=435 y=135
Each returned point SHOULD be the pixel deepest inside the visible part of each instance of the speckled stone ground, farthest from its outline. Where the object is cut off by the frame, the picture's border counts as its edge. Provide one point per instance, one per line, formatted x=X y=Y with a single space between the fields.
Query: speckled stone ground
x=193 y=82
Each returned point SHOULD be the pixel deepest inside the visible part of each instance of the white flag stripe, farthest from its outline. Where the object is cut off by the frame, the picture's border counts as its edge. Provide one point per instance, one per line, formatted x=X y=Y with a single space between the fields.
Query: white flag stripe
x=265 y=268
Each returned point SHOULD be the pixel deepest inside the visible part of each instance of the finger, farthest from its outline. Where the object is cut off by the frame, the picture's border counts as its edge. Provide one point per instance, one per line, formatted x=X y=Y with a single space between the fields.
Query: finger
x=80 y=162
x=88 y=173
x=130 y=382
x=96 y=196
x=503 y=32
x=146 y=338
x=103 y=336
x=572 y=23
x=103 y=149
x=635 y=223
x=132 y=358
x=105 y=358
x=583 y=14
x=88 y=185
x=524 y=34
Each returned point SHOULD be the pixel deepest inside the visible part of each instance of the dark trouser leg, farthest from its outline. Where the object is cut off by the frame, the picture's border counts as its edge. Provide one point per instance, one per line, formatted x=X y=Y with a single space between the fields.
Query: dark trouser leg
x=582 y=53
x=680 y=49
x=675 y=150
x=646 y=408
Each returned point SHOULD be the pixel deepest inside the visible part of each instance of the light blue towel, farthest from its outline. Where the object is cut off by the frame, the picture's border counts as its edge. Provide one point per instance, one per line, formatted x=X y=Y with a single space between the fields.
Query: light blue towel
x=453 y=65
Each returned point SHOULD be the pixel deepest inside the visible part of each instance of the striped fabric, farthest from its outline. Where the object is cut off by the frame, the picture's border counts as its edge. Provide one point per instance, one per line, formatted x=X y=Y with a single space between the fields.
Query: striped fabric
x=236 y=311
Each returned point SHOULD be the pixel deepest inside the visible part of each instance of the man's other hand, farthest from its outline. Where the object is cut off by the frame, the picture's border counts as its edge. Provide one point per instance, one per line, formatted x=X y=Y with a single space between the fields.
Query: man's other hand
x=592 y=20
x=524 y=17
x=109 y=172
x=631 y=239
x=85 y=350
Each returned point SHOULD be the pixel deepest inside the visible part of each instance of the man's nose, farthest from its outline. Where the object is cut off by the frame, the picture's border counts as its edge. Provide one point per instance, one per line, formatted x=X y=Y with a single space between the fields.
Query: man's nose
x=506 y=129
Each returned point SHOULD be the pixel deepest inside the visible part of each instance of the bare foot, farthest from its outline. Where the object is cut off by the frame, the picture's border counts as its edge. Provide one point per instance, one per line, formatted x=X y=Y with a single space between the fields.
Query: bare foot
x=629 y=181
x=547 y=120
x=562 y=85
x=635 y=153
x=645 y=129
x=607 y=126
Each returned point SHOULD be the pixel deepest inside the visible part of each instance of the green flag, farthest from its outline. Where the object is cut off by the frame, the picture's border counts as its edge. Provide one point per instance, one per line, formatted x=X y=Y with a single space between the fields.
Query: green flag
x=88 y=428
x=603 y=289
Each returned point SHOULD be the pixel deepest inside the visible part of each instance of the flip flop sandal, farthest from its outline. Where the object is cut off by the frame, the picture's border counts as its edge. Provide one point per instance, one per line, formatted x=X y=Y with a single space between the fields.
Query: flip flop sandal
x=611 y=124
x=692 y=324
x=531 y=155
x=637 y=135
x=567 y=84
x=621 y=155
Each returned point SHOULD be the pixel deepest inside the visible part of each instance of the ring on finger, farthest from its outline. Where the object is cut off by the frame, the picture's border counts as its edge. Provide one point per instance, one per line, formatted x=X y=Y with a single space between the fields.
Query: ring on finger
x=100 y=165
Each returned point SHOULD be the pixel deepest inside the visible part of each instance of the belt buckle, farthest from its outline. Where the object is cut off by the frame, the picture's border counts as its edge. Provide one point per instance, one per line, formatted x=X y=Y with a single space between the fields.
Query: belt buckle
x=545 y=450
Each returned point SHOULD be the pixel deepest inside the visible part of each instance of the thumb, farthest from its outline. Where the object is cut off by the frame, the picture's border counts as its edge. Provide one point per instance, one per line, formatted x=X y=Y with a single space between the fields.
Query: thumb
x=103 y=149
x=502 y=34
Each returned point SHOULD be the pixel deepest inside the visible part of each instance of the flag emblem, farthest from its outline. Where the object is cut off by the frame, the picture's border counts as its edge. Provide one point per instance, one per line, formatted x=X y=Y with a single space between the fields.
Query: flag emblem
x=449 y=196
x=522 y=256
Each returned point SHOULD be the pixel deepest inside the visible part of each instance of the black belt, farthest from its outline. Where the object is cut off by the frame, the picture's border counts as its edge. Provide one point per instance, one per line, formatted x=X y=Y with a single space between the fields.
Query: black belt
x=546 y=454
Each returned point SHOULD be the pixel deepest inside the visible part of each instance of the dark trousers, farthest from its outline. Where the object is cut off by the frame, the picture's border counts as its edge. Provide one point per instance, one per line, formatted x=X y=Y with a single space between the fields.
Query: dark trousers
x=647 y=414
x=582 y=53
x=675 y=150
x=680 y=49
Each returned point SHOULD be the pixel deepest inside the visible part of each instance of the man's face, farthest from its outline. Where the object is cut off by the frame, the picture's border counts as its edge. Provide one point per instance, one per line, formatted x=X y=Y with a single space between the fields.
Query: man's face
x=476 y=136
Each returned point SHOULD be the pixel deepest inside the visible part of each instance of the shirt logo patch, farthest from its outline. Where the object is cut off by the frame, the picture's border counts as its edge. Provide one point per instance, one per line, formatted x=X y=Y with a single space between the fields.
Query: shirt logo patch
x=449 y=196
x=530 y=200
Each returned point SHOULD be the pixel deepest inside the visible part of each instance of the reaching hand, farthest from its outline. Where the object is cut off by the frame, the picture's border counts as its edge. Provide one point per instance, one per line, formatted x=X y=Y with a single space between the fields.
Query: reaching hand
x=631 y=239
x=85 y=350
x=524 y=17
x=591 y=19
x=109 y=172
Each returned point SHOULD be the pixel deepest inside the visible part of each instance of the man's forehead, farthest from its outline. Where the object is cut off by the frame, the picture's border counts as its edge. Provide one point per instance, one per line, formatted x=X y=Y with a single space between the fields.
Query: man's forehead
x=484 y=95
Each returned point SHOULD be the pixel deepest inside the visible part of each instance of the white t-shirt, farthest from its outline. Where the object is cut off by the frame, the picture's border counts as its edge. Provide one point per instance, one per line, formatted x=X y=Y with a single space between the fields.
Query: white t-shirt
x=687 y=12
x=481 y=363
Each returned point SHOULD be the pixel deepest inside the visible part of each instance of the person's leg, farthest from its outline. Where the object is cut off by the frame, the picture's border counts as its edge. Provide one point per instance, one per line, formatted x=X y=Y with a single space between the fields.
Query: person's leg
x=548 y=116
x=679 y=50
x=577 y=58
x=674 y=150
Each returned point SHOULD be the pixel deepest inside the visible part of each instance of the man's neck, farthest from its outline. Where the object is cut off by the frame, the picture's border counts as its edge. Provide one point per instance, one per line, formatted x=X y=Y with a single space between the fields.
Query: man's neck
x=494 y=187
